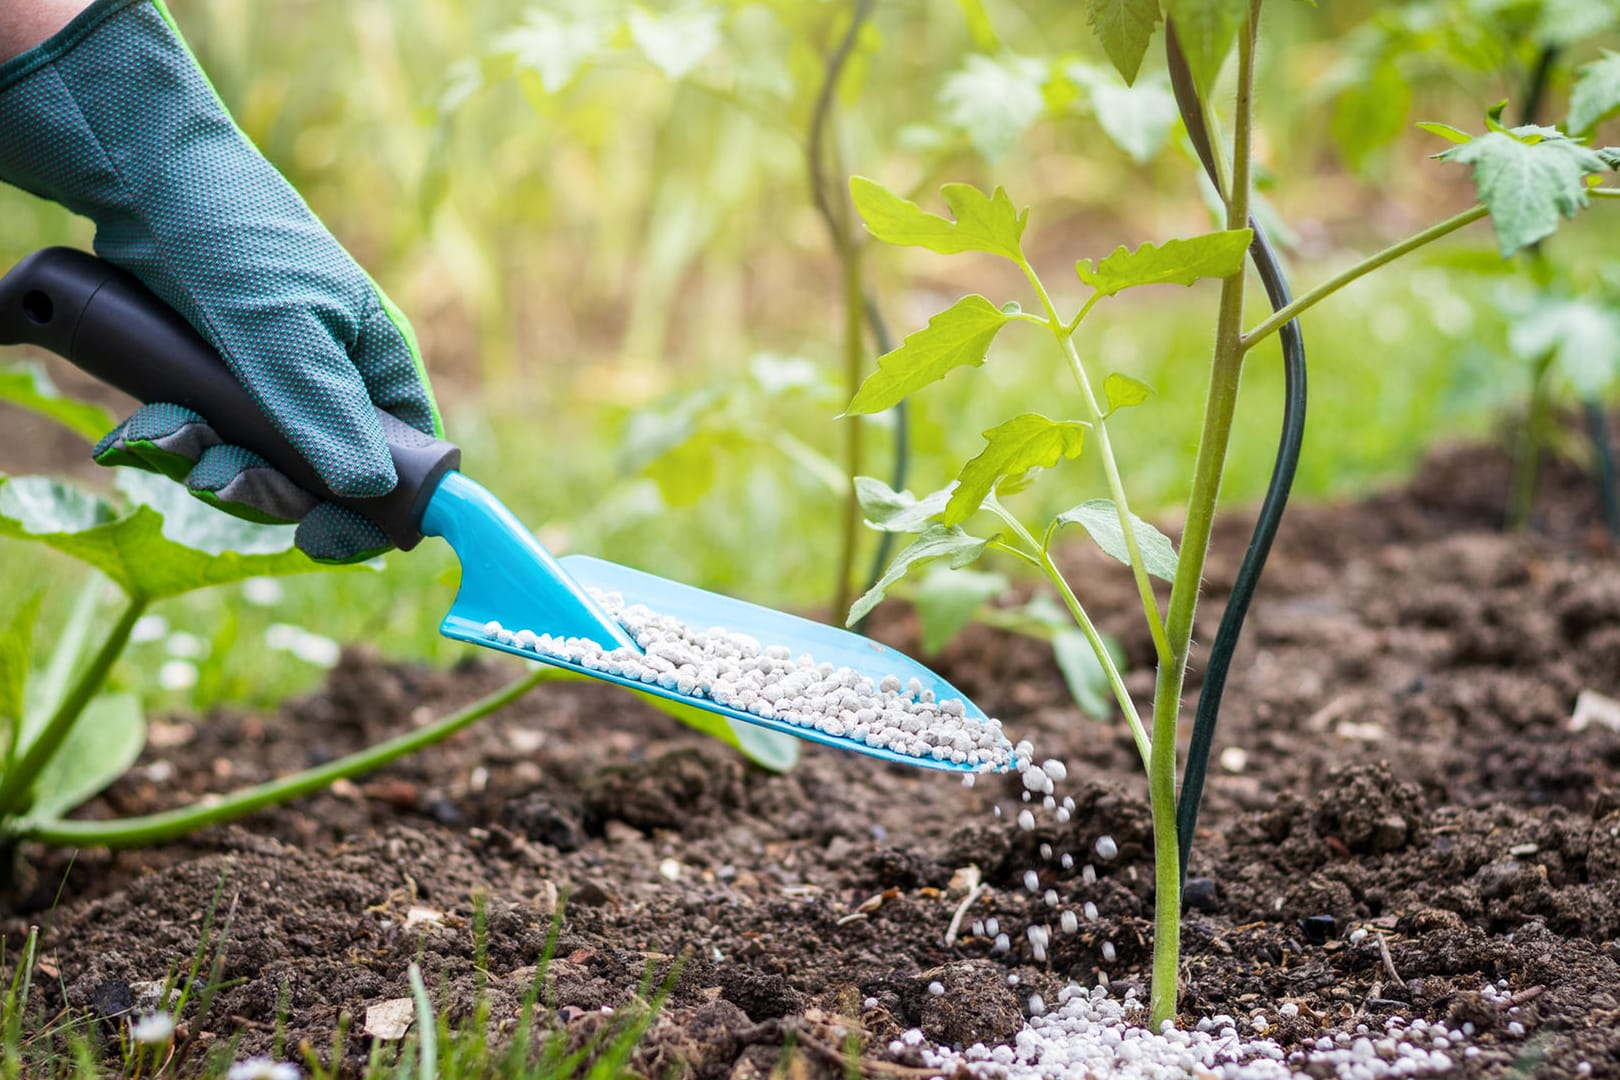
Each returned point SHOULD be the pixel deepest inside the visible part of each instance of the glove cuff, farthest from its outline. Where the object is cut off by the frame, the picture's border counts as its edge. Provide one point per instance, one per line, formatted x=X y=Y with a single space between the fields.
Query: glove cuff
x=56 y=46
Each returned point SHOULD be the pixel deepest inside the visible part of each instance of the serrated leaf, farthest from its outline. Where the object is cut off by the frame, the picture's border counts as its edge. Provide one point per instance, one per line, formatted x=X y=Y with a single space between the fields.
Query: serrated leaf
x=1083 y=673
x=1028 y=441
x=959 y=336
x=887 y=510
x=1122 y=391
x=1100 y=519
x=27 y=386
x=1596 y=96
x=1124 y=28
x=1206 y=29
x=104 y=742
x=947 y=600
x=1177 y=262
x=1582 y=337
x=1526 y=186
x=994 y=101
x=168 y=544
x=936 y=542
x=988 y=223
x=1562 y=23
x=1609 y=155
x=676 y=42
x=1445 y=131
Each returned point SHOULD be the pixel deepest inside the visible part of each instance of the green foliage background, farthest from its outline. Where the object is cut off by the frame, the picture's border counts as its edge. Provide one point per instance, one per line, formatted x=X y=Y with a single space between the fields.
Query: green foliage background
x=598 y=217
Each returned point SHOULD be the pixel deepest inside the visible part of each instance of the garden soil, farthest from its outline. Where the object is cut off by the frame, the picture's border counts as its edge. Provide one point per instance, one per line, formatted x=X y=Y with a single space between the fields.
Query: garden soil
x=1401 y=814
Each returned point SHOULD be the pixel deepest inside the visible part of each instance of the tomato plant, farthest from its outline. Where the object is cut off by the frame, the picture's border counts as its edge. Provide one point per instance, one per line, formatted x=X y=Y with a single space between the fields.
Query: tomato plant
x=1528 y=178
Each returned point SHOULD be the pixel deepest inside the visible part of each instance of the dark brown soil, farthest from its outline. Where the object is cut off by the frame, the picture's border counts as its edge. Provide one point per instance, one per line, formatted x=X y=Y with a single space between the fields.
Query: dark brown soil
x=1409 y=781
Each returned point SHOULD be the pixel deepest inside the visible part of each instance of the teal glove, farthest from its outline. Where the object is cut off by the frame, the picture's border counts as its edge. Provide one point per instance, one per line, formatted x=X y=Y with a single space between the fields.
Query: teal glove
x=113 y=119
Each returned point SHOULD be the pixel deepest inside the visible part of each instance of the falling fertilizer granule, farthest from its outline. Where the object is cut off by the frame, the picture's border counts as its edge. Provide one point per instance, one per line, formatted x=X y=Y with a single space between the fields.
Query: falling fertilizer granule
x=738 y=672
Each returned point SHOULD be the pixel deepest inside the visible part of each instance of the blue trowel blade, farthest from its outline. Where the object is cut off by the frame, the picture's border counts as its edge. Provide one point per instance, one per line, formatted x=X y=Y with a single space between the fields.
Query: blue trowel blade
x=510 y=579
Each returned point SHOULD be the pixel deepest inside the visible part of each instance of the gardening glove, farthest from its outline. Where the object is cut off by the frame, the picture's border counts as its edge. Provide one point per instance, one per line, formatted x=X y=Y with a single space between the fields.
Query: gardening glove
x=113 y=118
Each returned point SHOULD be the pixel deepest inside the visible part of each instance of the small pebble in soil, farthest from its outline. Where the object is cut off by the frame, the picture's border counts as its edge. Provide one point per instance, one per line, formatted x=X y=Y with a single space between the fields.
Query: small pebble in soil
x=1199 y=894
x=1319 y=928
x=740 y=673
x=1107 y=850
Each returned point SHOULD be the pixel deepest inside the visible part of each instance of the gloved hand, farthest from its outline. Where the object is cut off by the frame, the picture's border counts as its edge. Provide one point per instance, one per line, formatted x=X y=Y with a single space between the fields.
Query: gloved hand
x=113 y=118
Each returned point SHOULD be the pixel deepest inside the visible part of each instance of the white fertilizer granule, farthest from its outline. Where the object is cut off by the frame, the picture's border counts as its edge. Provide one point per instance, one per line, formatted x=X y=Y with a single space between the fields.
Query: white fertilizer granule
x=738 y=672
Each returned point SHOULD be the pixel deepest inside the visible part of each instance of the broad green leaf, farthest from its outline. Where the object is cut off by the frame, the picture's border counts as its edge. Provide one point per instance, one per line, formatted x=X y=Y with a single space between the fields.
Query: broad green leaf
x=16 y=654
x=1100 y=519
x=1206 y=29
x=1596 y=96
x=1178 y=262
x=947 y=600
x=1124 y=28
x=676 y=42
x=104 y=742
x=1582 y=337
x=937 y=542
x=959 y=336
x=887 y=510
x=1122 y=391
x=167 y=545
x=1137 y=118
x=1083 y=672
x=1028 y=441
x=988 y=223
x=994 y=101
x=554 y=48
x=28 y=387
x=1445 y=131
x=1526 y=185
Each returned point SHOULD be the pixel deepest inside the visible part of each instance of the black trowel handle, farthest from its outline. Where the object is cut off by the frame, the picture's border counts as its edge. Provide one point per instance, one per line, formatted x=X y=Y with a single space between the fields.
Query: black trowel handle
x=108 y=324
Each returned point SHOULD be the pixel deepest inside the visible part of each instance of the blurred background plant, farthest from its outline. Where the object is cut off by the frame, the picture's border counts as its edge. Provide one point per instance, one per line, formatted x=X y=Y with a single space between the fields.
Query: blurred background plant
x=599 y=218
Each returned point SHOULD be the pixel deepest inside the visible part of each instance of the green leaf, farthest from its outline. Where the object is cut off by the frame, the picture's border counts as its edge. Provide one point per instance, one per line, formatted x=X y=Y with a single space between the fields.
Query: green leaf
x=675 y=42
x=1028 y=441
x=1124 y=28
x=28 y=387
x=1137 y=118
x=772 y=750
x=1582 y=337
x=168 y=544
x=105 y=741
x=994 y=101
x=676 y=445
x=1206 y=29
x=1178 y=262
x=16 y=654
x=1371 y=112
x=1445 y=131
x=947 y=600
x=1100 y=519
x=959 y=336
x=980 y=29
x=1596 y=96
x=1084 y=673
x=937 y=542
x=887 y=510
x=982 y=223
x=1526 y=185
x=1609 y=155
x=1122 y=392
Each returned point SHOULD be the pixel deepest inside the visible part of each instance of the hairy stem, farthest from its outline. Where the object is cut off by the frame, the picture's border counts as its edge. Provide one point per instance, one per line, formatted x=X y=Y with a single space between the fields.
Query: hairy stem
x=19 y=781
x=1219 y=408
x=1366 y=266
x=1116 y=486
x=151 y=828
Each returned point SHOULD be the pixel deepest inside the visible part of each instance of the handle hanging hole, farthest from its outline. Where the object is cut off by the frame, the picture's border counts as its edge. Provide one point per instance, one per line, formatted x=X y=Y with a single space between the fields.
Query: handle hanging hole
x=38 y=307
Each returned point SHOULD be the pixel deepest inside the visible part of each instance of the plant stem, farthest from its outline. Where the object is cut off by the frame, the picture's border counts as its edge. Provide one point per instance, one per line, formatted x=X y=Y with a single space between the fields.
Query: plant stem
x=1360 y=269
x=1116 y=487
x=1527 y=462
x=1220 y=405
x=19 y=781
x=854 y=429
x=151 y=828
x=1045 y=564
